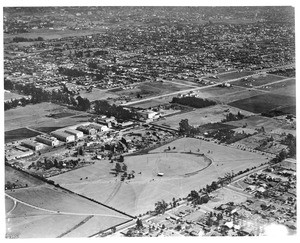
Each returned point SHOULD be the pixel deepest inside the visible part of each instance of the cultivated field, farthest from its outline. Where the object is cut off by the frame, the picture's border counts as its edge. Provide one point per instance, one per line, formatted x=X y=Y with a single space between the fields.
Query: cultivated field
x=18 y=134
x=201 y=116
x=140 y=194
x=264 y=102
x=36 y=116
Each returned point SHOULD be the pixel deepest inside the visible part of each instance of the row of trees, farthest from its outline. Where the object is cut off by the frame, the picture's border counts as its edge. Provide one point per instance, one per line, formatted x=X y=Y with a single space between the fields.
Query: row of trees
x=23 y=39
x=39 y=95
x=193 y=102
x=231 y=117
x=102 y=107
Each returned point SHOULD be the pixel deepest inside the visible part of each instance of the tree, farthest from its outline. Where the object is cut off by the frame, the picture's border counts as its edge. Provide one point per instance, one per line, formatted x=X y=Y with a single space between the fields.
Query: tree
x=124 y=167
x=139 y=224
x=160 y=207
x=118 y=167
x=184 y=127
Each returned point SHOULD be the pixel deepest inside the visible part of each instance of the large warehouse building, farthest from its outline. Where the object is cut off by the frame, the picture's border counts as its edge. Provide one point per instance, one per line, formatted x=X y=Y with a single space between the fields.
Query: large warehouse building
x=48 y=140
x=76 y=133
x=63 y=136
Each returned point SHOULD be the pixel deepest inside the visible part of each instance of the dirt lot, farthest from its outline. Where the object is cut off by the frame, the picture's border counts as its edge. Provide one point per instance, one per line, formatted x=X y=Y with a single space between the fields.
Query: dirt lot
x=264 y=102
x=202 y=116
x=233 y=75
x=140 y=194
x=36 y=116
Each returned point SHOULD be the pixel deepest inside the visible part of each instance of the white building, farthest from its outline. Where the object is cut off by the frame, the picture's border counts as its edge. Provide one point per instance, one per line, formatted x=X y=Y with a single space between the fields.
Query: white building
x=76 y=133
x=48 y=140
x=63 y=136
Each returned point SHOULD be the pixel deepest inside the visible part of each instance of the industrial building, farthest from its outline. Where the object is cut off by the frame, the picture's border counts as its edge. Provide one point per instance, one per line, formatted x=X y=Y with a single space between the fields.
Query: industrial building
x=76 y=133
x=63 y=136
x=100 y=127
x=89 y=130
x=48 y=140
x=32 y=145
x=147 y=114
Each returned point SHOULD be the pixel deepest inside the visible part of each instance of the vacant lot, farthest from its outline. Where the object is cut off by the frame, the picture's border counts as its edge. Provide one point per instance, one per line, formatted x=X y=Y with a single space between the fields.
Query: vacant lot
x=18 y=134
x=139 y=195
x=151 y=103
x=264 y=103
x=201 y=116
x=36 y=116
x=258 y=80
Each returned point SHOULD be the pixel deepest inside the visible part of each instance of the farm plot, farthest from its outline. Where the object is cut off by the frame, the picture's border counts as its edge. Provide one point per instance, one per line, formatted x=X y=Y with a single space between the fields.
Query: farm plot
x=36 y=116
x=264 y=103
x=201 y=116
x=257 y=80
x=18 y=134
x=138 y=195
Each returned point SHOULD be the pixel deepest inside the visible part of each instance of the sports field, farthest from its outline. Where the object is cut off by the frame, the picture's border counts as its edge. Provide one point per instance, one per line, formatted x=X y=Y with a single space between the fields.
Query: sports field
x=183 y=167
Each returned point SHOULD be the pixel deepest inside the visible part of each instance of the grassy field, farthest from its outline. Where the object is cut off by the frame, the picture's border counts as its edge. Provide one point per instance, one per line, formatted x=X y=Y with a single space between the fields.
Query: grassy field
x=270 y=124
x=152 y=103
x=36 y=116
x=18 y=134
x=264 y=102
x=201 y=116
x=258 y=80
x=140 y=194
x=20 y=178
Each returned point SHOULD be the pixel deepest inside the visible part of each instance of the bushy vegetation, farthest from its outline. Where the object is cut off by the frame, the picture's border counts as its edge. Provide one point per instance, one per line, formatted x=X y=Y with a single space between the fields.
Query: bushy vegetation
x=193 y=102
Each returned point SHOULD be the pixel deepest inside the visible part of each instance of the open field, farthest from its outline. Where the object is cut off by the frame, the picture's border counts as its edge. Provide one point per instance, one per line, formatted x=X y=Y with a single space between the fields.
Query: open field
x=201 y=116
x=233 y=75
x=287 y=87
x=140 y=194
x=36 y=116
x=18 y=134
x=149 y=89
x=20 y=178
x=264 y=103
x=152 y=103
x=9 y=95
x=270 y=124
x=98 y=94
x=258 y=80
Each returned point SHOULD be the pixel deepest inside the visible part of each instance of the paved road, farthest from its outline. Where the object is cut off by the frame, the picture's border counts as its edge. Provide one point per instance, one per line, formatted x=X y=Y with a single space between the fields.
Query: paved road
x=204 y=87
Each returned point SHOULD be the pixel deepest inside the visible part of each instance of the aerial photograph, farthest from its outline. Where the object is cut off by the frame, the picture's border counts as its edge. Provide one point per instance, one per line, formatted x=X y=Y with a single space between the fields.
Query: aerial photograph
x=149 y=121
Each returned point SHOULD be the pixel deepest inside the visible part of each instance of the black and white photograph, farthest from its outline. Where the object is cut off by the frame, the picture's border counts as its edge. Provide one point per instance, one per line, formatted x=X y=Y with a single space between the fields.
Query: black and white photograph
x=149 y=120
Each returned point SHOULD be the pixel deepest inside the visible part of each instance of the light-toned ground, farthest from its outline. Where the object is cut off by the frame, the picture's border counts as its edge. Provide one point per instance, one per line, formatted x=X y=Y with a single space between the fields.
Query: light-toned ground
x=35 y=116
x=287 y=87
x=141 y=193
x=9 y=95
x=201 y=116
x=98 y=94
